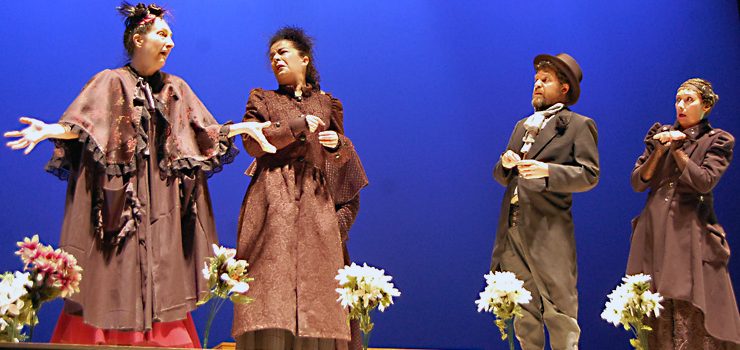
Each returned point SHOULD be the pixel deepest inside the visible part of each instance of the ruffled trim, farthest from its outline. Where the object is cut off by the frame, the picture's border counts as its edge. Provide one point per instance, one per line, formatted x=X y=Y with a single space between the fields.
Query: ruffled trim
x=225 y=154
x=60 y=165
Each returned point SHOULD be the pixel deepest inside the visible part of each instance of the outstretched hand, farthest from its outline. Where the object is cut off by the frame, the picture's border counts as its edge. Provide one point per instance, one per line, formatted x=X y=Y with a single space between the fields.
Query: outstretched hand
x=254 y=130
x=35 y=132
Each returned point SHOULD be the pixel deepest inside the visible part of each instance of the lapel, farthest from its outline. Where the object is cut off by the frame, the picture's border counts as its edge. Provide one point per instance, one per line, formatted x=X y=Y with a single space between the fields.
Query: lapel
x=517 y=140
x=546 y=135
x=692 y=135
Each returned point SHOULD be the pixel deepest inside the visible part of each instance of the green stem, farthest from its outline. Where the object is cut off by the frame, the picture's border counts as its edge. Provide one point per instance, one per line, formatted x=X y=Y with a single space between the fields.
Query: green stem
x=642 y=337
x=510 y=332
x=34 y=320
x=215 y=306
x=365 y=340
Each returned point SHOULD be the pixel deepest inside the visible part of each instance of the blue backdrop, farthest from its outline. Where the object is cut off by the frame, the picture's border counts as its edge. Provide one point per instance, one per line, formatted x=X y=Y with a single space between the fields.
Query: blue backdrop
x=431 y=91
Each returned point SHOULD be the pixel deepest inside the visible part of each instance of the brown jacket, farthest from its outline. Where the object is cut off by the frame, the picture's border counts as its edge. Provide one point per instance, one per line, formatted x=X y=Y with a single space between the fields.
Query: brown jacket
x=568 y=143
x=677 y=239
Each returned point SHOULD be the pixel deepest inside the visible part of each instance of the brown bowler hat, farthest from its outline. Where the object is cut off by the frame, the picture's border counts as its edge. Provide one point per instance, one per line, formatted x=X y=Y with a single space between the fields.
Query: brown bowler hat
x=570 y=68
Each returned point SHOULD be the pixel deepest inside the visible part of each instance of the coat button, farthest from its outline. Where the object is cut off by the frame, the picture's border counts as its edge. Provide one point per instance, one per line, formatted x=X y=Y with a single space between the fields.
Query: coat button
x=670 y=184
x=336 y=156
x=277 y=124
x=301 y=159
x=302 y=138
x=666 y=199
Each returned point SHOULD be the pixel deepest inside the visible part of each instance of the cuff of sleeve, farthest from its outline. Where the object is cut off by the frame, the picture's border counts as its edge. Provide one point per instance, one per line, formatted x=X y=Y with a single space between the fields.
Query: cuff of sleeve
x=298 y=127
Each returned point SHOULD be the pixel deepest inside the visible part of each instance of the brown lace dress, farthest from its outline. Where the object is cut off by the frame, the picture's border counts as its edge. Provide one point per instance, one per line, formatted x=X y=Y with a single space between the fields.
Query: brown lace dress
x=293 y=224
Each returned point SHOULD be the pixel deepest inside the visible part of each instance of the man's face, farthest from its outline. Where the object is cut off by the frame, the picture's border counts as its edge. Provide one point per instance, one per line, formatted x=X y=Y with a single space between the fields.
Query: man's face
x=548 y=90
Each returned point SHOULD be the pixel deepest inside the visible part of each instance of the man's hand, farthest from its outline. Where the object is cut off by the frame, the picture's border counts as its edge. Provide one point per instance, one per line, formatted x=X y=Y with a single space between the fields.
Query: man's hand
x=509 y=159
x=532 y=169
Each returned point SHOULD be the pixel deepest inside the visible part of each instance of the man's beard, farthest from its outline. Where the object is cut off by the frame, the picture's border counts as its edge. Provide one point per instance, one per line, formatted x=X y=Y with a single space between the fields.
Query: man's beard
x=539 y=103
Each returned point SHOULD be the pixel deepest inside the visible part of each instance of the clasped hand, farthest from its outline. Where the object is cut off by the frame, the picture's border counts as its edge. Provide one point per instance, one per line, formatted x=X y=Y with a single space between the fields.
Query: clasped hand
x=327 y=138
x=528 y=168
x=667 y=137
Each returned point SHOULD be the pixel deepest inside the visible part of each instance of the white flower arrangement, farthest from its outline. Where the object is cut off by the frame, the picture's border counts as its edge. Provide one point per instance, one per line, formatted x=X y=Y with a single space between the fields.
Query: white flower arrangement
x=227 y=279
x=362 y=289
x=14 y=311
x=503 y=296
x=629 y=304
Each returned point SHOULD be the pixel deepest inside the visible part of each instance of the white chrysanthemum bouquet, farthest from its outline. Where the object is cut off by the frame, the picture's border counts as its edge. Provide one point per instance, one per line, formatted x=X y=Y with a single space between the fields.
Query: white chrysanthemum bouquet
x=629 y=304
x=227 y=279
x=503 y=296
x=362 y=289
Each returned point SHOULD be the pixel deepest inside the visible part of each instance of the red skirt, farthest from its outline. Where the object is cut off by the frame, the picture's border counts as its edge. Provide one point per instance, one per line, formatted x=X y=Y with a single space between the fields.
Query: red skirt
x=71 y=329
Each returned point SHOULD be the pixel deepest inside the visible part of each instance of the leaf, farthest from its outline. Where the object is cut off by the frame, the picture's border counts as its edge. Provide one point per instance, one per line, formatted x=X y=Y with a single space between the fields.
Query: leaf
x=204 y=300
x=240 y=299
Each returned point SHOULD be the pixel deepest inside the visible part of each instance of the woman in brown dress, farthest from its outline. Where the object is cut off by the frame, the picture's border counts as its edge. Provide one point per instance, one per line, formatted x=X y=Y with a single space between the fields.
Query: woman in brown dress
x=136 y=147
x=677 y=239
x=298 y=208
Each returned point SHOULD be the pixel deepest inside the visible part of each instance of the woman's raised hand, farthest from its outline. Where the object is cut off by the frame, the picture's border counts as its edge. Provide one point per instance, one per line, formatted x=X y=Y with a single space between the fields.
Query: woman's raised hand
x=35 y=132
x=314 y=122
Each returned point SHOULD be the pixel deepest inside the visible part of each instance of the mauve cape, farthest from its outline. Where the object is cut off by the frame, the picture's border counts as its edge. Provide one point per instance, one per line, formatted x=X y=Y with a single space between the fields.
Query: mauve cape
x=295 y=217
x=676 y=238
x=138 y=216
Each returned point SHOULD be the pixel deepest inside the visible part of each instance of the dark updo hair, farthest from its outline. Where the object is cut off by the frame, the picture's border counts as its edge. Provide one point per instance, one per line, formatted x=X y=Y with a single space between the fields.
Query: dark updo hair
x=138 y=19
x=304 y=44
x=704 y=89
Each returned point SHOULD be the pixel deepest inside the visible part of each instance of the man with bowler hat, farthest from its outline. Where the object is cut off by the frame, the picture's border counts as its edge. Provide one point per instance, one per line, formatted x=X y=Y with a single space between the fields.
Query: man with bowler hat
x=551 y=154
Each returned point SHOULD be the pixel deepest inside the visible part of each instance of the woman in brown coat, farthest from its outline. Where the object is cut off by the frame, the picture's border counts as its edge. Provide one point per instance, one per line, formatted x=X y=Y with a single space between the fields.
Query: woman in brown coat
x=136 y=147
x=677 y=239
x=298 y=208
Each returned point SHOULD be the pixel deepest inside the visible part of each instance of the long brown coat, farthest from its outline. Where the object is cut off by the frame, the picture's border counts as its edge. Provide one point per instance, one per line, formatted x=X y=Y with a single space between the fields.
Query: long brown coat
x=676 y=238
x=138 y=215
x=295 y=217
x=568 y=143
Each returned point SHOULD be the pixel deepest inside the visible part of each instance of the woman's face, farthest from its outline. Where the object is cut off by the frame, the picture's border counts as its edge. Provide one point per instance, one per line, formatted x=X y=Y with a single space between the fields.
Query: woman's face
x=152 y=49
x=287 y=63
x=689 y=108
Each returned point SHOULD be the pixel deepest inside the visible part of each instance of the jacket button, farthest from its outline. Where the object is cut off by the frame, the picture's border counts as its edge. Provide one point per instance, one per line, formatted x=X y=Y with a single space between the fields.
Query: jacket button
x=670 y=184
x=277 y=124
x=302 y=138
x=301 y=159
x=336 y=156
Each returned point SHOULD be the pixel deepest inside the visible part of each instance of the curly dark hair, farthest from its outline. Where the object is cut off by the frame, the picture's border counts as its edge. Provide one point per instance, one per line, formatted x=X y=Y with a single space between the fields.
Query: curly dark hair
x=138 y=20
x=304 y=44
x=704 y=89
